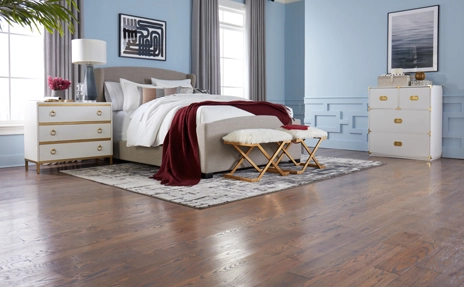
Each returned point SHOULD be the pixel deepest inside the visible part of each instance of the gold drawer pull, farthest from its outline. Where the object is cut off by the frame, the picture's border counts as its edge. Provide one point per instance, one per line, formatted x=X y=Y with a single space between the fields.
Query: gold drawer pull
x=414 y=98
x=99 y=113
x=99 y=148
x=383 y=98
x=52 y=113
x=53 y=132
x=398 y=144
x=398 y=121
x=99 y=130
x=53 y=151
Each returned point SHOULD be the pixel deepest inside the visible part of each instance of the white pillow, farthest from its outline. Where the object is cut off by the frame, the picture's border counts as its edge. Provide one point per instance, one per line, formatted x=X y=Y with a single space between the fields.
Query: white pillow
x=114 y=94
x=186 y=83
x=132 y=97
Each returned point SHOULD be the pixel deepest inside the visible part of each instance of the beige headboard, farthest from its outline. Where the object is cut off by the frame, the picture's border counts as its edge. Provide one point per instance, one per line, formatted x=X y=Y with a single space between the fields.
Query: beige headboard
x=135 y=74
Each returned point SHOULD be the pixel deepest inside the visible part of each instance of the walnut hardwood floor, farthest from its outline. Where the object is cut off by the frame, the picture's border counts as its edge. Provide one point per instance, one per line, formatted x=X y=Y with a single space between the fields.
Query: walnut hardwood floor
x=401 y=224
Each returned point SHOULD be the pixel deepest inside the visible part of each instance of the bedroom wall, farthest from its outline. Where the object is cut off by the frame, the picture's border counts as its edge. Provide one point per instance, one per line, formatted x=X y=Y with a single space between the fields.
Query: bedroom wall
x=346 y=49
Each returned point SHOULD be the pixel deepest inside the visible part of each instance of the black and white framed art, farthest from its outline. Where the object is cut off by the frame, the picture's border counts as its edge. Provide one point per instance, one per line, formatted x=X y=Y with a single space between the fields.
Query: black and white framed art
x=142 y=38
x=413 y=40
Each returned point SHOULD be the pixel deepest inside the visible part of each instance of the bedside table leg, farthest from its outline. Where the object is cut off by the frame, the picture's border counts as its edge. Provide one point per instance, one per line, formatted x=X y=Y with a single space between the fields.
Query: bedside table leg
x=111 y=160
x=38 y=167
x=26 y=164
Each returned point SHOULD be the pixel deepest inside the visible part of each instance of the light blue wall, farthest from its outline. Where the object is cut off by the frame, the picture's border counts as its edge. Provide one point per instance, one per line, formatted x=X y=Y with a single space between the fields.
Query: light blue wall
x=275 y=52
x=101 y=21
x=11 y=150
x=346 y=49
x=295 y=57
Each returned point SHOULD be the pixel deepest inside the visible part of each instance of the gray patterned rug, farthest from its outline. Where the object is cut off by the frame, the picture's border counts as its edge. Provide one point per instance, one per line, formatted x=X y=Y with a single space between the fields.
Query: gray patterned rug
x=217 y=190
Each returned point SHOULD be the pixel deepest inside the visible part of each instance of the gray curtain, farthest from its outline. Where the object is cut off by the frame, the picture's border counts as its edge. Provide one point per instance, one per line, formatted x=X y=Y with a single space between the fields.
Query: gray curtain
x=205 y=45
x=57 y=51
x=255 y=10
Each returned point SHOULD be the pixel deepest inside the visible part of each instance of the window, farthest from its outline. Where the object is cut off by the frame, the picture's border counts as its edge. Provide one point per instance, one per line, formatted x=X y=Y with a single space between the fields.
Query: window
x=232 y=36
x=21 y=74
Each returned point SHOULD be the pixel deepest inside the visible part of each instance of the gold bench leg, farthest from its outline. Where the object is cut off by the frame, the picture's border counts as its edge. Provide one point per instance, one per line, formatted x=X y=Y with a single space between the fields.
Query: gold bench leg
x=245 y=156
x=311 y=154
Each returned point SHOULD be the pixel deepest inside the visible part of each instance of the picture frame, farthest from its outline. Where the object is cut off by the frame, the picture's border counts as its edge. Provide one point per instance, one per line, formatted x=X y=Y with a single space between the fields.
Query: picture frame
x=413 y=40
x=142 y=38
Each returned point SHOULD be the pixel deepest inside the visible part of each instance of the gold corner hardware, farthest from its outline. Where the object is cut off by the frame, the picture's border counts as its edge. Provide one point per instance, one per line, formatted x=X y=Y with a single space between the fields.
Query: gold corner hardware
x=398 y=121
x=430 y=109
x=369 y=108
x=429 y=133
x=398 y=144
x=368 y=152
x=368 y=131
x=383 y=98
x=414 y=98
x=398 y=109
x=398 y=87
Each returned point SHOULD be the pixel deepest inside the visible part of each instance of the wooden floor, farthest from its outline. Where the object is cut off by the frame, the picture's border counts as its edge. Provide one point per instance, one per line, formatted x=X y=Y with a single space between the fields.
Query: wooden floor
x=401 y=224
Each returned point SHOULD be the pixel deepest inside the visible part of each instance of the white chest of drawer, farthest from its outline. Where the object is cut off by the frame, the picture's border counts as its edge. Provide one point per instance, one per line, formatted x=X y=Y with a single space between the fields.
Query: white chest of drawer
x=406 y=122
x=67 y=131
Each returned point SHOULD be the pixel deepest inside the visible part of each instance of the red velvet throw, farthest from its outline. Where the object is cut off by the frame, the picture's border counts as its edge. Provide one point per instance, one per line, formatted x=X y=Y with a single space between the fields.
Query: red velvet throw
x=180 y=165
x=295 y=127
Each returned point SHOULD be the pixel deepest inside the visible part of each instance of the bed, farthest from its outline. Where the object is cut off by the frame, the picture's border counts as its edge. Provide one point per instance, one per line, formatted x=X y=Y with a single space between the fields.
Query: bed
x=214 y=155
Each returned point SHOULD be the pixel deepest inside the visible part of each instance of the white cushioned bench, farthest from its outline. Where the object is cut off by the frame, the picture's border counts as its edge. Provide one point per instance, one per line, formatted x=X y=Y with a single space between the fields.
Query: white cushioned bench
x=252 y=138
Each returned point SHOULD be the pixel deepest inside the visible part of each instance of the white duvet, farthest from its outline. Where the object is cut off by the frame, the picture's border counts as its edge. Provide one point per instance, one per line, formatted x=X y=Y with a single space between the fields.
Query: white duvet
x=150 y=122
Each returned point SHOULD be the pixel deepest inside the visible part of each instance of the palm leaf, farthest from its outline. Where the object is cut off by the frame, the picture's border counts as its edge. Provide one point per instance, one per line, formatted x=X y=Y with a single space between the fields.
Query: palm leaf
x=31 y=13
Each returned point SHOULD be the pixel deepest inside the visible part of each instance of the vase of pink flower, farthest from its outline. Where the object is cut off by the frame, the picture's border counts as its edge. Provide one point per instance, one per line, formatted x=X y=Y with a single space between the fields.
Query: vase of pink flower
x=58 y=86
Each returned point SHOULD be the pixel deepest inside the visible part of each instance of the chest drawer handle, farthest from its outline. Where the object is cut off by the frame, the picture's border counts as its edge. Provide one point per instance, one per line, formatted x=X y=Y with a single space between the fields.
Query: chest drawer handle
x=99 y=113
x=52 y=113
x=398 y=121
x=383 y=98
x=53 y=151
x=99 y=130
x=53 y=132
x=99 y=148
x=414 y=98
x=398 y=144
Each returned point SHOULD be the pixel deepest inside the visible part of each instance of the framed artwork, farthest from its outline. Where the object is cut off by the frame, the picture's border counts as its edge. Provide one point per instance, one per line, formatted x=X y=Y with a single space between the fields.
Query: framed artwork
x=142 y=38
x=413 y=40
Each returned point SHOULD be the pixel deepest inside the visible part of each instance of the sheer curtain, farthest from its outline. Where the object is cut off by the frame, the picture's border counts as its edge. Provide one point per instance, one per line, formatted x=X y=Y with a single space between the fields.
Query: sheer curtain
x=255 y=10
x=57 y=56
x=205 y=45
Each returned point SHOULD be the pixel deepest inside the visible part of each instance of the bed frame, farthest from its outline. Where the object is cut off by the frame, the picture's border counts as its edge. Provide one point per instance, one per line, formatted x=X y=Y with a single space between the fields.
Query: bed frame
x=214 y=155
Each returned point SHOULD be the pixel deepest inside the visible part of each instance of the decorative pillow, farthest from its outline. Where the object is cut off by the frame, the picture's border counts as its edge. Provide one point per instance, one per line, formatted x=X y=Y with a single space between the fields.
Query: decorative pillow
x=151 y=93
x=114 y=94
x=186 y=90
x=186 y=83
x=132 y=97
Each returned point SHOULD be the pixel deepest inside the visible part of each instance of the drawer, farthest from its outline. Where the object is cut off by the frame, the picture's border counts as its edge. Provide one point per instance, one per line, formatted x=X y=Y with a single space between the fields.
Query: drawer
x=74 y=113
x=383 y=98
x=49 y=133
x=403 y=121
x=412 y=146
x=415 y=98
x=52 y=152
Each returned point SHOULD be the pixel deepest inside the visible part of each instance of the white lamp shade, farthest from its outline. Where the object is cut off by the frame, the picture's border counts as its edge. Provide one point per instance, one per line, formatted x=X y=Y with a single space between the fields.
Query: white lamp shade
x=88 y=51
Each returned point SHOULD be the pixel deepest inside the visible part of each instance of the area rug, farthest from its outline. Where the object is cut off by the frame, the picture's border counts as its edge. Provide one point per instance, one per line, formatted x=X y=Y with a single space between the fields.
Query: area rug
x=217 y=190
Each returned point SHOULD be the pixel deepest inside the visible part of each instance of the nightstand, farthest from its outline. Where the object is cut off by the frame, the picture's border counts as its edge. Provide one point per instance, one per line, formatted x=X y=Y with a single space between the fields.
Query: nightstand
x=66 y=131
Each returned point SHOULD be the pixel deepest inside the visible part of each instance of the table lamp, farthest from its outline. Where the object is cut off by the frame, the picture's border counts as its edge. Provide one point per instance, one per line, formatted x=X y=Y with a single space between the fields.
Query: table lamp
x=89 y=52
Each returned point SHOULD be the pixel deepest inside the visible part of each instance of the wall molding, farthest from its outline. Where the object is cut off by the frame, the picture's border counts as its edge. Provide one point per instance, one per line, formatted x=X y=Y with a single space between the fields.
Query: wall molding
x=287 y=1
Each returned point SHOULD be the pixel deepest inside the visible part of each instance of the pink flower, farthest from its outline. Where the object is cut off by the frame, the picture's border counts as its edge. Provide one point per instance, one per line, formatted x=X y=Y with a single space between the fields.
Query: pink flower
x=58 y=83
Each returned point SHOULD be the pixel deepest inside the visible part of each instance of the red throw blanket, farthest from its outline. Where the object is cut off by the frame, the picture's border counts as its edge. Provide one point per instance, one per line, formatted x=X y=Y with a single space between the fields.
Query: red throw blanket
x=180 y=165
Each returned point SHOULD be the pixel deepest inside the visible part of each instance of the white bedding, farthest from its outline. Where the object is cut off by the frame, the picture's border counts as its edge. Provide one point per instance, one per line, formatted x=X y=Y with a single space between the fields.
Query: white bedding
x=150 y=122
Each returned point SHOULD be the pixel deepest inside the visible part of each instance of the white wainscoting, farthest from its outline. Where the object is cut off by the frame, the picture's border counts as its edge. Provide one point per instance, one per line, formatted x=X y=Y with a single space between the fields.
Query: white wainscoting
x=453 y=126
x=344 y=119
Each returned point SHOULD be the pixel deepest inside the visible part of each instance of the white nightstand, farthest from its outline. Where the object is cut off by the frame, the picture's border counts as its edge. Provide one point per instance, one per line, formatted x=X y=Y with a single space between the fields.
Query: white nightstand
x=65 y=131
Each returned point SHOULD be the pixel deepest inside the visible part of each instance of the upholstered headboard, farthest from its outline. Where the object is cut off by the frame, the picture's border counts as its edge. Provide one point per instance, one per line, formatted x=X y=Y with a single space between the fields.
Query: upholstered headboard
x=135 y=74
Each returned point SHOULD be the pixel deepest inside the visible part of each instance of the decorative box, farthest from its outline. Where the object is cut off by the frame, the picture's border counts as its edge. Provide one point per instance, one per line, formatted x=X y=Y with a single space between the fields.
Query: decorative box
x=393 y=81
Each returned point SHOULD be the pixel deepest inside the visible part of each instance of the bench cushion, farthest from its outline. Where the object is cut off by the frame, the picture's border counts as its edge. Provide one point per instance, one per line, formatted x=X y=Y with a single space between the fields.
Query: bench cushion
x=257 y=136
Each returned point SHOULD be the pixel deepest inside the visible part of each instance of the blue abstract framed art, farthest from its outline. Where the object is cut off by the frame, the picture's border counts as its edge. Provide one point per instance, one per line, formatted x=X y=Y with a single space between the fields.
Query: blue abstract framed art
x=142 y=38
x=413 y=40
